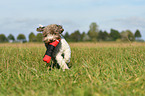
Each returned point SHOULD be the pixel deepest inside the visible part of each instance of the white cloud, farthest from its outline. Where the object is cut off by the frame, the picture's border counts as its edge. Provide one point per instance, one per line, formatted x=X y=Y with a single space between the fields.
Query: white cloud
x=132 y=22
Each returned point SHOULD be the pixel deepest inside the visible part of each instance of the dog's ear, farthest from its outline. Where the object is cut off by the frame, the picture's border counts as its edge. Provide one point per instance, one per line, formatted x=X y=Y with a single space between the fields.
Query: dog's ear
x=40 y=29
x=60 y=29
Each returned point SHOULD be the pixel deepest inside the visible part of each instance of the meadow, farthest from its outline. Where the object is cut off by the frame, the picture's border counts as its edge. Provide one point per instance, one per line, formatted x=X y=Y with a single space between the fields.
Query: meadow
x=97 y=69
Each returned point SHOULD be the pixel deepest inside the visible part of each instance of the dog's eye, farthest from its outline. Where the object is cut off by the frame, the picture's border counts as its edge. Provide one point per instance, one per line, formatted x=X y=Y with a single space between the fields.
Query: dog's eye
x=45 y=35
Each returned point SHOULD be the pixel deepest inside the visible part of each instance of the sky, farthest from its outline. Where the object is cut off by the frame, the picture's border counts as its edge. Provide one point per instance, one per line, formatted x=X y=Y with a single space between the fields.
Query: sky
x=24 y=16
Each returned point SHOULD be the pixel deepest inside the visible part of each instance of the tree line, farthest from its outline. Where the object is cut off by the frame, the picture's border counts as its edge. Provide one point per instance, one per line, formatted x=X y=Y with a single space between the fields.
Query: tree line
x=94 y=34
x=21 y=38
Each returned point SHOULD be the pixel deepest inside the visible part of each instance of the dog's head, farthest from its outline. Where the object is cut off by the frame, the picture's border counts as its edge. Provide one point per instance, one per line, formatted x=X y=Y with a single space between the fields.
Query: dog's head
x=51 y=32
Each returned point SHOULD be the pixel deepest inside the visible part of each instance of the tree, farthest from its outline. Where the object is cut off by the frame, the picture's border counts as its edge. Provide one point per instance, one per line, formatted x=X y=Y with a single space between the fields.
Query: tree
x=82 y=36
x=21 y=37
x=66 y=36
x=76 y=36
x=130 y=35
x=3 y=38
x=137 y=34
x=86 y=38
x=124 y=36
x=106 y=35
x=101 y=35
x=114 y=34
x=11 y=37
x=32 y=37
x=39 y=37
x=93 y=32
x=127 y=36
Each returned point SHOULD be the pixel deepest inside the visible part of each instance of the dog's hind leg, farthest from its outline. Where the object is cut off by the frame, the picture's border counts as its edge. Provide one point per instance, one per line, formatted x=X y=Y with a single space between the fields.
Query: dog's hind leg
x=61 y=62
x=67 y=55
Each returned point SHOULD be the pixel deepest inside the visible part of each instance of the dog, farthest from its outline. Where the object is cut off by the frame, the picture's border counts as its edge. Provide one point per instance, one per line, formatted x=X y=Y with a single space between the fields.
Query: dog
x=62 y=52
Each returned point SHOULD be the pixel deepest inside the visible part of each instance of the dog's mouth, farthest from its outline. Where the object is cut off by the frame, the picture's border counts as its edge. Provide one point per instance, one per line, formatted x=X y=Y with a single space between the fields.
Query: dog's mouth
x=49 y=38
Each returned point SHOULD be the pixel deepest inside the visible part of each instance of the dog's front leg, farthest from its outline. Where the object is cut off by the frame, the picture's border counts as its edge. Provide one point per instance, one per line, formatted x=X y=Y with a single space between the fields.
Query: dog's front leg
x=61 y=62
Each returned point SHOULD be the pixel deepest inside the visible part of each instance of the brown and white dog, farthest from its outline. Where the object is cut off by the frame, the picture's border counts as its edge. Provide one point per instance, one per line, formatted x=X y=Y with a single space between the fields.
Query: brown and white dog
x=62 y=52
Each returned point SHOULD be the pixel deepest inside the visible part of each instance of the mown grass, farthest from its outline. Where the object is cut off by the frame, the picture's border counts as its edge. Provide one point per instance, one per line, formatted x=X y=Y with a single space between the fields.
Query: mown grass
x=98 y=69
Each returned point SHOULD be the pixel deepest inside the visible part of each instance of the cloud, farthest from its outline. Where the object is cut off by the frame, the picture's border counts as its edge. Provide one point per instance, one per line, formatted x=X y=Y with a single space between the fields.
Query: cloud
x=27 y=25
x=132 y=22
x=20 y=25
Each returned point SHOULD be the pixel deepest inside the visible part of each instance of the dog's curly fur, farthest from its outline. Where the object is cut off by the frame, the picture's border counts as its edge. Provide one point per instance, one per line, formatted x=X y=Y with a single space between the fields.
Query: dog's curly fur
x=53 y=29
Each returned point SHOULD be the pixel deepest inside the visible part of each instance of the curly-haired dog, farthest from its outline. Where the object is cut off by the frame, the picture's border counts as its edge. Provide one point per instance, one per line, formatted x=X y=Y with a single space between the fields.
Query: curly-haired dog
x=62 y=52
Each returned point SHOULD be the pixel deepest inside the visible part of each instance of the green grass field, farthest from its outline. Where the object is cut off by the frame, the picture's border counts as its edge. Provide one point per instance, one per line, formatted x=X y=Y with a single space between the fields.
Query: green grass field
x=98 y=69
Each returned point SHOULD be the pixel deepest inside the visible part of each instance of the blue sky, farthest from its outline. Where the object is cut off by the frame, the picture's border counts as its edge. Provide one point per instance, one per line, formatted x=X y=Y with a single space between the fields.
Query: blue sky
x=24 y=16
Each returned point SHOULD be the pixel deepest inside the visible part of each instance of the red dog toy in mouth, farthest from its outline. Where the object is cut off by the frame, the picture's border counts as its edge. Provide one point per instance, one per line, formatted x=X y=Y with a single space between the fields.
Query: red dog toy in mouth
x=50 y=47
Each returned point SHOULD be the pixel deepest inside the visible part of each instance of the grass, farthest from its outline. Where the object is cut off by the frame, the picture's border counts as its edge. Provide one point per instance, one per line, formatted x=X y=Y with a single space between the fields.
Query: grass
x=98 y=69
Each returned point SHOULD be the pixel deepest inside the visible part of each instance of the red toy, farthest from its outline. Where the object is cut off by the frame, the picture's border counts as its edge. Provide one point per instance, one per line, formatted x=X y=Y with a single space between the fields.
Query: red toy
x=50 y=47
